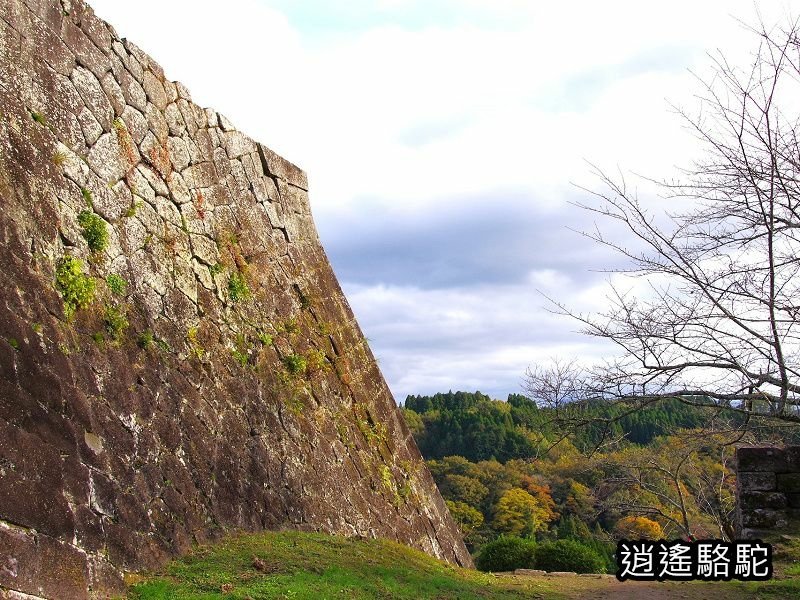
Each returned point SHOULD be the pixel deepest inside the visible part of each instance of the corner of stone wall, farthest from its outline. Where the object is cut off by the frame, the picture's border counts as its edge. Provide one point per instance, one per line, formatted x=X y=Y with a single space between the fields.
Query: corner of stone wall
x=767 y=491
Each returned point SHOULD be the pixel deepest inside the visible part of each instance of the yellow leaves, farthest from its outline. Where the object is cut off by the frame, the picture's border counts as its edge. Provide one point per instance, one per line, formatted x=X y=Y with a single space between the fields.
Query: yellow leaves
x=635 y=528
x=519 y=513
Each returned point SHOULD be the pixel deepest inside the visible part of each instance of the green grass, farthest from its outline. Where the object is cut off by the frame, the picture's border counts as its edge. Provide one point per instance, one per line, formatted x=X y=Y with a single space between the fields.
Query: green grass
x=316 y=566
x=319 y=567
x=776 y=589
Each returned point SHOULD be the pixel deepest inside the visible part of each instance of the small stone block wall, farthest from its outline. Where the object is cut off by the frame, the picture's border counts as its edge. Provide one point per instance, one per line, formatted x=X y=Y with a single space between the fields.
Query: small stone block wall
x=767 y=491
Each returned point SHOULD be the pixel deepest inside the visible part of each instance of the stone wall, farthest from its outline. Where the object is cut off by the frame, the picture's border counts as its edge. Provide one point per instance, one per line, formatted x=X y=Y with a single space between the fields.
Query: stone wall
x=767 y=491
x=177 y=360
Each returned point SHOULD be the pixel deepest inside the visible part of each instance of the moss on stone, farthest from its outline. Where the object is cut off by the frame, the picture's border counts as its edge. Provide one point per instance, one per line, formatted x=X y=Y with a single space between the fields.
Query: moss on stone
x=75 y=288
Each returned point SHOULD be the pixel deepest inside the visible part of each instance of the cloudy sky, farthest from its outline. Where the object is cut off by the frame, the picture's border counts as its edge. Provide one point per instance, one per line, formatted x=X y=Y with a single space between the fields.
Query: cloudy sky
x=444 y=140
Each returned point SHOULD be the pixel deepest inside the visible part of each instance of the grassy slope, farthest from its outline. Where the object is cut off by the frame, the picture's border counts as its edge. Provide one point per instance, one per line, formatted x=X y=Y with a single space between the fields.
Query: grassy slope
x=316 y=566
x=303 y=565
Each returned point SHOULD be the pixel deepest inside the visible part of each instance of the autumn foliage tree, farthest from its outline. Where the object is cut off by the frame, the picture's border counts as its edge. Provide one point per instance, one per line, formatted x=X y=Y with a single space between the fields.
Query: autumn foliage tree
x=635 y=528
x=519 y=513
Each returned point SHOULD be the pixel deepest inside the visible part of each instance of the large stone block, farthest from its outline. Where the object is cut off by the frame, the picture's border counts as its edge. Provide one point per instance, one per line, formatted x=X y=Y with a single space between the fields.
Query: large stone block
x=41 y=566
x=755 y=500
x=755 y=458
x=756 y=481
x=764 y=518
x=788 y=482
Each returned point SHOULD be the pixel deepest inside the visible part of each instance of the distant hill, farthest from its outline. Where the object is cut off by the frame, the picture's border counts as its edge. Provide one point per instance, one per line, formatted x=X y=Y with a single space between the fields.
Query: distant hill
x=473 y=425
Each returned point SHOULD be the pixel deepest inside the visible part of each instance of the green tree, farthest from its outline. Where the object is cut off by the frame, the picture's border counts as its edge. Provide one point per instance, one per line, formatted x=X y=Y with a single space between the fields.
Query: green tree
x=463 y=489
x=467 y=517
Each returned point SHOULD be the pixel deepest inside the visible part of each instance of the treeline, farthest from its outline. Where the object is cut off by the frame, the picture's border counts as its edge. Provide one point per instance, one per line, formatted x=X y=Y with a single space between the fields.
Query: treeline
x=472 y=425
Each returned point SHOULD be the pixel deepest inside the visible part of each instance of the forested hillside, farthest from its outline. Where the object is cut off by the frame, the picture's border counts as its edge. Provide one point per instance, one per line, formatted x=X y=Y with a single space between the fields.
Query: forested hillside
x=476 y=427
x=594 y=472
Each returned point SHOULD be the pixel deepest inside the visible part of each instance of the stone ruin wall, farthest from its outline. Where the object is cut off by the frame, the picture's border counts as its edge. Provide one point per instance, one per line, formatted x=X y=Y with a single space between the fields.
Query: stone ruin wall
x=767 y=492
x=226 y=387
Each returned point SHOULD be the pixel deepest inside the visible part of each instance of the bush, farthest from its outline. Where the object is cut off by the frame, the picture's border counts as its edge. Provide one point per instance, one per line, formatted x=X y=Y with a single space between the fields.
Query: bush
x=94 y=231
x=506 y=553
x=76 y=289
x=568 y=555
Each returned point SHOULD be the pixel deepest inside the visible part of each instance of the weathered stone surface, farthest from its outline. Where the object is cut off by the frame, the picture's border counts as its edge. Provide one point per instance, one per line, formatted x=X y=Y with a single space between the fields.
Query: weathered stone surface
x=114 y=93
x=756 y=482
x=764 y=518
x=135 y=123
x=753 y=458
x=789 y=482
x=94 y=96
x=529 y=572
x=174 y=119
x=41 y=566
x=178 y=153
x=154 y=90
x=122 y=447
x=105 y=158
x=92 y=129
x=278 y=166
x=762 y=500
x=236 y=144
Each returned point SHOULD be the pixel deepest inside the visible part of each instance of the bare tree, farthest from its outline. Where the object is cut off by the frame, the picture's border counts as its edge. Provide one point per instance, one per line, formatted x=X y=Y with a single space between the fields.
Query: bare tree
x=718 y=320
x=684 y=482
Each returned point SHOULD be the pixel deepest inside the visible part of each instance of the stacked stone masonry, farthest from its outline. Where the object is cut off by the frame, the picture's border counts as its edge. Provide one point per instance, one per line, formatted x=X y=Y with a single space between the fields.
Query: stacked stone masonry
x=198 y=372
x=768 y=491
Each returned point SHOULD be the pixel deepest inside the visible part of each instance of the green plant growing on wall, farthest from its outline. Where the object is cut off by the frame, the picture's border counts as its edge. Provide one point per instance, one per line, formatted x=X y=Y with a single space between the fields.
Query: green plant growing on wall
x=237 y=287
x=76 y=289
x=13 y=343
x=117 y=284
x=305 y=302
x=95 y=231
x=59 y=158
x=289 y=326
x=125 y=142
x=195 y=347
x=242 y=357
x=265 y=338
x=215 y=269
x=115 y=322
x=87 y=197
x=292 y=390
x=316 y=361
x=386 y=478
x=145 y=339
x=135 y=206
x=241 y=350
x=39 y=118
x=295 y=364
